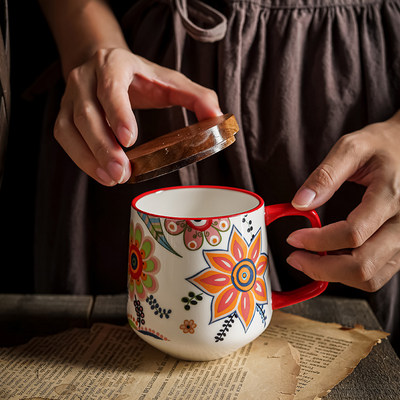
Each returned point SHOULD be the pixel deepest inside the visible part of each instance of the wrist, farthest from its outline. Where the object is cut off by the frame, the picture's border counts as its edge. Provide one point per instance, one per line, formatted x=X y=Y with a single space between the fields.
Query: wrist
x=81 y=28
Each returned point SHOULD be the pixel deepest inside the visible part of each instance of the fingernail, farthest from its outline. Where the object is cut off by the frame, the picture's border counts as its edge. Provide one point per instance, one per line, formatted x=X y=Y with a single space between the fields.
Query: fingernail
x=116 y=171
x=104 y=177
x=125 y=136
x=294 y=241
x=291 y=260
x=303 y=198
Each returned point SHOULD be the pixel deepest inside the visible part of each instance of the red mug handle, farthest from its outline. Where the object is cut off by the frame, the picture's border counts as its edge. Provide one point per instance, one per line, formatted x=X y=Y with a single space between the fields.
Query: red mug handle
x=313 y=289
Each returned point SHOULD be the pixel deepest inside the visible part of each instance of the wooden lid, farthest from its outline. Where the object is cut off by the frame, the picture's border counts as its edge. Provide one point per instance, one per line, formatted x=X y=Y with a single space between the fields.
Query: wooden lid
x=182 y=147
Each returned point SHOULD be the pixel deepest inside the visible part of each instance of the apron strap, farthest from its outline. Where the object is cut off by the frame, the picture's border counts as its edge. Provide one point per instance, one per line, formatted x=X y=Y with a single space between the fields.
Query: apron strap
x=206 y=16
x=183 y=24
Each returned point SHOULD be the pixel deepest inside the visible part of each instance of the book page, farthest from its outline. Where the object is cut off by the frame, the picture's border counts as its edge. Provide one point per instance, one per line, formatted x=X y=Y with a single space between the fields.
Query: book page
x=295 y=358
x=328 y=352
x=111 y=362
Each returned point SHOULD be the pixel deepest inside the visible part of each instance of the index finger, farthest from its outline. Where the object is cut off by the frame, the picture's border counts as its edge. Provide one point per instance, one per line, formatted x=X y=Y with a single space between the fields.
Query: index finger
x=112 y=91
x=376 y=207
x=346 y=157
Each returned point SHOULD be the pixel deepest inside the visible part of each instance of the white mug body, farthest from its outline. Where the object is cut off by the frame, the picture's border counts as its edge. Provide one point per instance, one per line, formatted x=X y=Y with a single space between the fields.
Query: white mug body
x=198 y=274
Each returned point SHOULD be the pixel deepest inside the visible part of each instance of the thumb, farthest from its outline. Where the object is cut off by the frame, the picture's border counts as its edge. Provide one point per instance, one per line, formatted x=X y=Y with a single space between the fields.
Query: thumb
x=338 y=166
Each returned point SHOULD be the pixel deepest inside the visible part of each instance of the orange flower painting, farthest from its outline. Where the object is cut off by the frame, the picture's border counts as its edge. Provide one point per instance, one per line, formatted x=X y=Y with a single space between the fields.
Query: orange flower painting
x=235 y=278
x=188 y=326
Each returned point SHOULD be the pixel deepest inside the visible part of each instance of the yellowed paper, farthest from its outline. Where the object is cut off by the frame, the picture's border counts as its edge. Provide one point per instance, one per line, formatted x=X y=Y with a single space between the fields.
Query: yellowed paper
x=294 y=358
x=111 y=362
x=328 y=352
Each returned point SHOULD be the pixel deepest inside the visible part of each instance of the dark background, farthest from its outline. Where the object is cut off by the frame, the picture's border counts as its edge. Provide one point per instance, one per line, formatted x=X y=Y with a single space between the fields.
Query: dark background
x=32 y=51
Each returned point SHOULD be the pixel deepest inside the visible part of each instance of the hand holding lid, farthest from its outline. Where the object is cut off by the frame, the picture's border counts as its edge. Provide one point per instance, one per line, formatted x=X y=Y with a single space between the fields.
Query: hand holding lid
x=182 y=147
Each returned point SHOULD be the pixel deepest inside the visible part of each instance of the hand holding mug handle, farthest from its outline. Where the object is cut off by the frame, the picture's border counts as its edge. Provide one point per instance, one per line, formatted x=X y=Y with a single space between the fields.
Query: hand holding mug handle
x=313 y=289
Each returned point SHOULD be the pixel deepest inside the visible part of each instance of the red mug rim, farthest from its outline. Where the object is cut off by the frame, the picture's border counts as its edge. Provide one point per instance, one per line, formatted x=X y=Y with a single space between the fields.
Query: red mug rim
x=254 y=195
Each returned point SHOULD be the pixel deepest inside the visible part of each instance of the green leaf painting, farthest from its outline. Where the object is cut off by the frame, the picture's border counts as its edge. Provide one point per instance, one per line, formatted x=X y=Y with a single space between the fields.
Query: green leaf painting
x=155 y=228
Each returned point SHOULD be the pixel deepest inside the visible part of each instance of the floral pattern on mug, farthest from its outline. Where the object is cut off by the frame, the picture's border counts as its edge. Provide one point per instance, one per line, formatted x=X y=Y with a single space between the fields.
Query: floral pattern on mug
x=143 y=265
x=235 y=279
x=194 y=231
x=188 y=326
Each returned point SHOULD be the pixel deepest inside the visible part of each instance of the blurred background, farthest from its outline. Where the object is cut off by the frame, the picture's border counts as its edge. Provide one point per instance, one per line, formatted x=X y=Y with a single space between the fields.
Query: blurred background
x=32 y=51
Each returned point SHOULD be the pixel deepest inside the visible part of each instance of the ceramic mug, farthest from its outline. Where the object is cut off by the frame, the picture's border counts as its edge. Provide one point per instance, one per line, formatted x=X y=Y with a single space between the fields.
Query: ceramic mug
x=198 y=279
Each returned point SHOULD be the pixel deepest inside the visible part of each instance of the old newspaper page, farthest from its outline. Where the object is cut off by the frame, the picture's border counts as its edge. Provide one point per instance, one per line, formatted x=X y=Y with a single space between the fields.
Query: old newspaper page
x=294 y=358
x=111 y=362
x=329 y=352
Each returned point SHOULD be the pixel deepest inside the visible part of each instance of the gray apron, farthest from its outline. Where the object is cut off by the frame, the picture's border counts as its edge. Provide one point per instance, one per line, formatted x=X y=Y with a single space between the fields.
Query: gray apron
x=297 y=74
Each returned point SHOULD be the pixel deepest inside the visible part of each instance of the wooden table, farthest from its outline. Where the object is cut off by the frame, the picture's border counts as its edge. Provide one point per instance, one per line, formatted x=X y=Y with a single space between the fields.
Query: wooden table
x=376 y=377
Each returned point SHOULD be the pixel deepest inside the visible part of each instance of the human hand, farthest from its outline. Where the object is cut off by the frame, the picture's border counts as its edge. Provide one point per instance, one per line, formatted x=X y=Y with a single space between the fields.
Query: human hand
x=364 y=250
x=96 y=119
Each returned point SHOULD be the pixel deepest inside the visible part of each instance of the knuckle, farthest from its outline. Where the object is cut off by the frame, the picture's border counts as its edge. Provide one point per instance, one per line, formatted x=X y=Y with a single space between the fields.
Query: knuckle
x=100 y=55
x=324 y=175
x=205 y=96
x=106 y=88
x=393 y=190
x=59 y=129
x=210 y=95
x=316 y=276
x=106 y=154
x=314 y=271
x=101 y=152
x=350 y=144
x=355 y=236
x=373 y=285
x=74 y=77
x=104 y=58
x=83 y=113
x=365 y=271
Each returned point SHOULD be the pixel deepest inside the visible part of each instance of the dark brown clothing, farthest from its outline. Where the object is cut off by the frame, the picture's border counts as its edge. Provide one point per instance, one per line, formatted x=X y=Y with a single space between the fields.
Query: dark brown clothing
x=297 y=74
x=5 y=95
